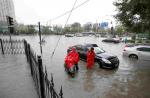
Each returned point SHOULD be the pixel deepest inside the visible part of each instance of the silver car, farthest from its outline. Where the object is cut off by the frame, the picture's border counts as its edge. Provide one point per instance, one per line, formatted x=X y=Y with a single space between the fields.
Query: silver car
x=138 y=52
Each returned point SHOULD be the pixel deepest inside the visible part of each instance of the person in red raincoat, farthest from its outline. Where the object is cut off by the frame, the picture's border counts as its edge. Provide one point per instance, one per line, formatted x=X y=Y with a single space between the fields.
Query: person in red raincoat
x=90 y=58
x=72 y=59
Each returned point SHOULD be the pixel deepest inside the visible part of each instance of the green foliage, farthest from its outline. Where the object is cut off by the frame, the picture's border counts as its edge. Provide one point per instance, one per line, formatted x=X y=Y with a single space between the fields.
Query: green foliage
x=75 y=27
x=25 y=29
x=31 y=29
x=67 y=29
x=119 y=29
x=21 y=28
x=134 y=14
x=95 y=27
x=131 y=41
x=46 y=30
x=57 y=29
x=87 y=27
x=102 y=30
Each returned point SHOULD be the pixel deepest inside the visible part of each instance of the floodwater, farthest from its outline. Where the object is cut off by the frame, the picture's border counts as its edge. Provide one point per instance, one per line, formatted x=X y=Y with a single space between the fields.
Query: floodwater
x=15 y=77
x=131 y=79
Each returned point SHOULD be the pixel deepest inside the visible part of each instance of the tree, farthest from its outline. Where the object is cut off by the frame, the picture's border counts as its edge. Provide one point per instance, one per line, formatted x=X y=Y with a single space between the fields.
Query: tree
x=46 y=29
x=88 y=27
x=21 y=28
x=57 y=29
x=31 y=29
x=134 y=14
x=103 y=30
x=67 y=29
x=76 y=27
x=95 y=27
x=119 y=29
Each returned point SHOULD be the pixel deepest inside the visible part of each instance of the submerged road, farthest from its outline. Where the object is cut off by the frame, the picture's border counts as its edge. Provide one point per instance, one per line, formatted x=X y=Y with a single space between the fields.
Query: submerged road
x=131 y=79
x=15 y=77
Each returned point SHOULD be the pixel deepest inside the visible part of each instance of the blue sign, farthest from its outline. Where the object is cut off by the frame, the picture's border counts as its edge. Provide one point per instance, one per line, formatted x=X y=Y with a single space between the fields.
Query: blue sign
x=103 y=24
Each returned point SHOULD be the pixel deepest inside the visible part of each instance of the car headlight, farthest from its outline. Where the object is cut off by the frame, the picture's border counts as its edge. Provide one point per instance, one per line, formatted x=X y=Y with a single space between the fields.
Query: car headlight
x=106 y=61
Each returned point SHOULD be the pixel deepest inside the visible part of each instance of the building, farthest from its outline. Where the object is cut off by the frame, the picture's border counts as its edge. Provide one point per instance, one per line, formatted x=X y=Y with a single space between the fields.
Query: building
x=6 y=9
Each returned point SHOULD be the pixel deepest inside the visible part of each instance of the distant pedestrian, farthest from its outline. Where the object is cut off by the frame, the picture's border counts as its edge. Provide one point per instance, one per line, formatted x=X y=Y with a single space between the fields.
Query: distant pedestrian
x=90 y=58
x=125 y=40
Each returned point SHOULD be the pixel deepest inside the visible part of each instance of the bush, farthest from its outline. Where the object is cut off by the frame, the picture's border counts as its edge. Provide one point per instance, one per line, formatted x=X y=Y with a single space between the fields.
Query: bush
x=131 y=41
x=139 y=41
x=147 y=41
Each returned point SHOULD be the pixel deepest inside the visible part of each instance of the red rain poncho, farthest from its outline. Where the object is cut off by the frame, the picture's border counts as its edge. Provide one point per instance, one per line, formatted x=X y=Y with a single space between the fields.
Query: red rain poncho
x=72 y=58
x=90 y=59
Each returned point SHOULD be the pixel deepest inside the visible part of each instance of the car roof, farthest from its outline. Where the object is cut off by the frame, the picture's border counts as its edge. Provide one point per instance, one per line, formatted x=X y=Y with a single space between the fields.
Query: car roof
x=90 y=45
x=138 y=46
x=87 y=45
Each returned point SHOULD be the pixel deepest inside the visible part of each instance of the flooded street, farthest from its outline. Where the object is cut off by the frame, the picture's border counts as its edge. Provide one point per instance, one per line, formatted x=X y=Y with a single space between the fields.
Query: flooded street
x=131 y=79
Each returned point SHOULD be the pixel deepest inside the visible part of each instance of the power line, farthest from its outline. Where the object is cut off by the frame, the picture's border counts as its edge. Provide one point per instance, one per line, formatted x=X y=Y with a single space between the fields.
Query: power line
x=69 y=11
x=64 y=26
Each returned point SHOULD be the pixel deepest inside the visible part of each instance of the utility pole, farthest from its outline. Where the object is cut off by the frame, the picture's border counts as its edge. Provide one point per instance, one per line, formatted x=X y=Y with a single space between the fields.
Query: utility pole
x=96 y=26
x=78 y=28
x=40 y=36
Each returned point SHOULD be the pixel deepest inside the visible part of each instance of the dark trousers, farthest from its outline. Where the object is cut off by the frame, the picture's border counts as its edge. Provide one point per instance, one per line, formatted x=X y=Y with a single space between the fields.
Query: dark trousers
x=76 y=67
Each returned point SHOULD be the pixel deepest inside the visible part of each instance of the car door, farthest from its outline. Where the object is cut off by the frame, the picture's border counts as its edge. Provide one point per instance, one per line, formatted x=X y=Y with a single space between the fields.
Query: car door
x=144 y=53
x=85 y=49
x=82 y=52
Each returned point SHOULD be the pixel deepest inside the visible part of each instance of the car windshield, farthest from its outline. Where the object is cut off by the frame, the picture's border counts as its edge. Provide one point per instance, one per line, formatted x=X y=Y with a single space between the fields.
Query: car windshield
x=98 y=50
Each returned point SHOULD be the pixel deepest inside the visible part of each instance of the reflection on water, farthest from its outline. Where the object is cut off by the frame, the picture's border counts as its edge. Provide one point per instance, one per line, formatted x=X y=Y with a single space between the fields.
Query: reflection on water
x=131 y=79
x=88 y=81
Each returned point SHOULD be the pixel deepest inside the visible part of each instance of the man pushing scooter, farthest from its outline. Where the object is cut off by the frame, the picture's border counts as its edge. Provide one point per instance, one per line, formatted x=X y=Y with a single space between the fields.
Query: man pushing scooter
x=71 y=62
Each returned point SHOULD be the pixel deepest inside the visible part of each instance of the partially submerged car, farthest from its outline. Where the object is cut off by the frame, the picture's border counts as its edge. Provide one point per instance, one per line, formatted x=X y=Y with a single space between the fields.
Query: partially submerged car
x=111 y=40
x=103 y=58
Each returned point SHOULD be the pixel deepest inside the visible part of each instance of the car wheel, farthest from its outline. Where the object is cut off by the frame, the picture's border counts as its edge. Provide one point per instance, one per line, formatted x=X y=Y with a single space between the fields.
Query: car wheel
x=100 y=64
x=116 y=66
x=134 y=56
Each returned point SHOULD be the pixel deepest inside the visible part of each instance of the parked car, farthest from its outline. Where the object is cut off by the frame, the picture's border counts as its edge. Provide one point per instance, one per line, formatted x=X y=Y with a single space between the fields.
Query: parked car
x=103 y=58
x=97 y=35
x=79 y=35
x=69 y=35
x=137 y=52
x=112 y=40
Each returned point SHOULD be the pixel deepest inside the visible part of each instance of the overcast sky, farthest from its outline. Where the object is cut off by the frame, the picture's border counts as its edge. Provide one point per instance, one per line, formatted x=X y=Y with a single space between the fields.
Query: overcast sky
x=33 y=11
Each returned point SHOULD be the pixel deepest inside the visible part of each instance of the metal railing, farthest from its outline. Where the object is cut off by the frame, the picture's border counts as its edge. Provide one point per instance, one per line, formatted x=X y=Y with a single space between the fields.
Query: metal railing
x=45 y=87
x=12 y=46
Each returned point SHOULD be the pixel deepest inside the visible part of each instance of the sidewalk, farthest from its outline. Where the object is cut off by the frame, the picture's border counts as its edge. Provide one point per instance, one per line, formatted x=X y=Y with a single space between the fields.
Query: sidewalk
x=15 y=77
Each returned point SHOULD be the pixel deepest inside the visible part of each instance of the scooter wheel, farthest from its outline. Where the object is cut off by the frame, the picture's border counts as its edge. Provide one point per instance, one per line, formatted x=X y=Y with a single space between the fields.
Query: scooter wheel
x=72 y=75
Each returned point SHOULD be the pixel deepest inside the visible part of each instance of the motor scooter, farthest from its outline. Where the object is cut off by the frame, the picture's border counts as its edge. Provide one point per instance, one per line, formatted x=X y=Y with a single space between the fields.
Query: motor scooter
x=70 y=66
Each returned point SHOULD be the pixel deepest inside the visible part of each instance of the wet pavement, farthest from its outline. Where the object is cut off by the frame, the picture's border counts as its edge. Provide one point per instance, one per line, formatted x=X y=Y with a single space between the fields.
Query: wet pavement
x=131 y=79
x=15 y=77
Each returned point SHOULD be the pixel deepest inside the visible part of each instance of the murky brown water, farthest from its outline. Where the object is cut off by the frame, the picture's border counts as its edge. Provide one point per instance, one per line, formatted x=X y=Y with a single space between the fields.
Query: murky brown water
x=131 y=79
